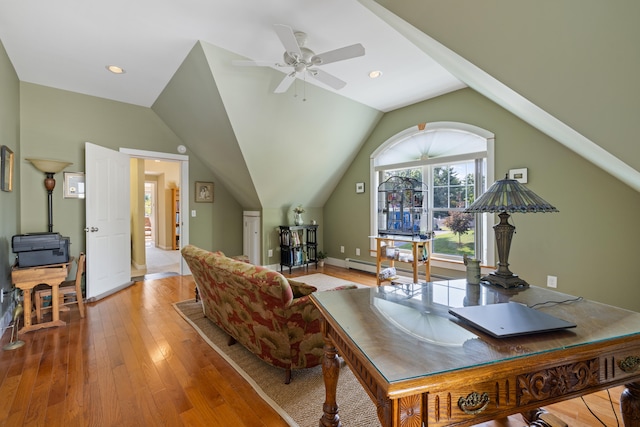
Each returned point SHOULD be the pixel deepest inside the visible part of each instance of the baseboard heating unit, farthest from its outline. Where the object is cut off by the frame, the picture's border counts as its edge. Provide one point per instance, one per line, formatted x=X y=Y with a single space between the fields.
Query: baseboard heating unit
x=370 y=267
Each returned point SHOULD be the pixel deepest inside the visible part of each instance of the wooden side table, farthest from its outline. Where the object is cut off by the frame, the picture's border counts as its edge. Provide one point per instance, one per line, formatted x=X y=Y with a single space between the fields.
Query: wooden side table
x=382 y=243
x=26 y=278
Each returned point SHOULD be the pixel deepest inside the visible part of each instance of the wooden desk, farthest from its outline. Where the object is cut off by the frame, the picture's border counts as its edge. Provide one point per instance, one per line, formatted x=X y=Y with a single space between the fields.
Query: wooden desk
x=29 y=277
x=421 y=367
x=383 y=243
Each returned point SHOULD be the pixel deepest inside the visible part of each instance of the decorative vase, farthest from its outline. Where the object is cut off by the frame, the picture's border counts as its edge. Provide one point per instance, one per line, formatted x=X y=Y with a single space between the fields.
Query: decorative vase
x=297 y=219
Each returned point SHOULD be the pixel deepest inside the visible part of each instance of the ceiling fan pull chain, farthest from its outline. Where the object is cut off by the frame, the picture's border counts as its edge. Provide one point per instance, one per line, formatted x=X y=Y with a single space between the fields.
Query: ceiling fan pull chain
x=304 y=95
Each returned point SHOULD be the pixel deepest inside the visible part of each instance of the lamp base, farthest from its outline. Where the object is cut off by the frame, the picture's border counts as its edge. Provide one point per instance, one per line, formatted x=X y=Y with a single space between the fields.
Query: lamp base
x=13 y=345
x=506 y=281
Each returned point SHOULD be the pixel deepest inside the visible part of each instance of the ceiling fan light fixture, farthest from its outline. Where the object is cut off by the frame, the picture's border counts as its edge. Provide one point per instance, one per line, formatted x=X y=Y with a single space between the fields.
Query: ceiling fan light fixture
x=115 y=69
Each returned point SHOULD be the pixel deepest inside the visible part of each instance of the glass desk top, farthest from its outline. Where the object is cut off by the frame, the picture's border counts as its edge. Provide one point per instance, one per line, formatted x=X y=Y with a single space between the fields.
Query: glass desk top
x=406 y=331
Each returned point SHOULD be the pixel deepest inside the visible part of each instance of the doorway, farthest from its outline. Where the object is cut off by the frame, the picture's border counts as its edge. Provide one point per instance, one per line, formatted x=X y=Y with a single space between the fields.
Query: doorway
x=155 y=178
x=159 y=257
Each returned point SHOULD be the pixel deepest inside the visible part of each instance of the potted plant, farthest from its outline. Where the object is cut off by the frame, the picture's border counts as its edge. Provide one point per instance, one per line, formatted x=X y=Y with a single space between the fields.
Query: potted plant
x=321 y=257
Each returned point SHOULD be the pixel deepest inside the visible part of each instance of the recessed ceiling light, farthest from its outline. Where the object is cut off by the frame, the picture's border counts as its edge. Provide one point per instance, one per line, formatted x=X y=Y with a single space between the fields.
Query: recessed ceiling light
x=375 y=74
x=115 y=69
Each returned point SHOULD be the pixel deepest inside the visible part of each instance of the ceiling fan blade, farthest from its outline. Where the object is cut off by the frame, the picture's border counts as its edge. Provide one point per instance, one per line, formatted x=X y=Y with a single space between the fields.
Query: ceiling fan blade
x=285 y=83
x=288 y=39
x=327 y=79
x=341 y=54
x=250 y=63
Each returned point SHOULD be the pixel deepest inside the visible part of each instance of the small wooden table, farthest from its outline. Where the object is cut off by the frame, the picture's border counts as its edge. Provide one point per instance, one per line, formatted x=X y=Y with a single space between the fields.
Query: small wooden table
x=417 y=259
x=421 y=367
x=26 y=278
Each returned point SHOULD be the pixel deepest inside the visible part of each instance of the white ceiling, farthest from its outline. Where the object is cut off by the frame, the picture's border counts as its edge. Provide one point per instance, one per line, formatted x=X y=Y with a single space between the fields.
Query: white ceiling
x=67 y=44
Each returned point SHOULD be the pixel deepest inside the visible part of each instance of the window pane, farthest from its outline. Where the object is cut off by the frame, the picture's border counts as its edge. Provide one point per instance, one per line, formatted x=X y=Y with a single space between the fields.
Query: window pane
x=470 y=196
x=440 y=197
x=456 y=197
x=458 y=174
x=455 y=234
x=440 y=176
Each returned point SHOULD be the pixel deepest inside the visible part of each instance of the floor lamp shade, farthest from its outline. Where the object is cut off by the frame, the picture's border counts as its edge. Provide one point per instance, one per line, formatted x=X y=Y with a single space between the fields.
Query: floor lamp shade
x=505 y=197
x=49 y=168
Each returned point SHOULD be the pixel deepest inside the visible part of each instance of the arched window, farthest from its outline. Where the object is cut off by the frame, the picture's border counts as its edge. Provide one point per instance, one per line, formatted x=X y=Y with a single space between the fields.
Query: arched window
x=454 y=161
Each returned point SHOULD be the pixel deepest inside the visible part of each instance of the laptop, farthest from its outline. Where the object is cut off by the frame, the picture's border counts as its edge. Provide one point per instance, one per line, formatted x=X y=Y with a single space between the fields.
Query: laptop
x=509 y=319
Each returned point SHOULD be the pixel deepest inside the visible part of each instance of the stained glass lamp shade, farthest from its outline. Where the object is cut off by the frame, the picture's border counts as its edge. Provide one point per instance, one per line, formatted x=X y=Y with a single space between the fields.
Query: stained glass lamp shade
x=505 y=197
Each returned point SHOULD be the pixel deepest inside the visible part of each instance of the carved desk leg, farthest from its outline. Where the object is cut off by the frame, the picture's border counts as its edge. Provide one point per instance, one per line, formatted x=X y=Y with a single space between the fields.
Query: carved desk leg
x=630 y=405
x=330 y=373
x=541 y=418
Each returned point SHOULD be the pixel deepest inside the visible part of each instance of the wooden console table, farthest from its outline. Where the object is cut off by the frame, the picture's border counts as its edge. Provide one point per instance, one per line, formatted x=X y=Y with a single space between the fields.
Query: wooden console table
x=29 y=277
x=420 y=366
x=383 y=243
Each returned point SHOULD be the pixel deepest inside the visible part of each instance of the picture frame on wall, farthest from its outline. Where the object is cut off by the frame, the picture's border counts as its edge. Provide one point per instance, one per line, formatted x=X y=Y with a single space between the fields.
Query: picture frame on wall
x=519 y=175
x=359 y=187
x=6 y=168
x=204 y=192
x=73 y=185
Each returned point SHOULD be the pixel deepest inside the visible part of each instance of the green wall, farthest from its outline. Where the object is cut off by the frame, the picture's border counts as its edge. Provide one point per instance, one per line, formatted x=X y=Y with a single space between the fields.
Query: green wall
x=9 y=201
x=589 y=245
x=56 y=123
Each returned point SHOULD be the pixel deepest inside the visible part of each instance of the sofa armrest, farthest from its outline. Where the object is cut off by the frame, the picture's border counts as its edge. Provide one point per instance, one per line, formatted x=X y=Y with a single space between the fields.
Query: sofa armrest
x=301 y=289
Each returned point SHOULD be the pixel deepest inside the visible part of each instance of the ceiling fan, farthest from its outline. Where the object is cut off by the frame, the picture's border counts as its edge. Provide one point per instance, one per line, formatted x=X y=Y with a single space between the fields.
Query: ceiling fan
x=303 y=59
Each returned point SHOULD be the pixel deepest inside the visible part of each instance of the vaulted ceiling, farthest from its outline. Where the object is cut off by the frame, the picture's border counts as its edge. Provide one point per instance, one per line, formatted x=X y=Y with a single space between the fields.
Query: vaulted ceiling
x=556 y=66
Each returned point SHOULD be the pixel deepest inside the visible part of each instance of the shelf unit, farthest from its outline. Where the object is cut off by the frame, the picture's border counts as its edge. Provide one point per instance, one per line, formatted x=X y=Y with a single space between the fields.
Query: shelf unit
x=175 y=215
x=388 y=252
x=298 y=246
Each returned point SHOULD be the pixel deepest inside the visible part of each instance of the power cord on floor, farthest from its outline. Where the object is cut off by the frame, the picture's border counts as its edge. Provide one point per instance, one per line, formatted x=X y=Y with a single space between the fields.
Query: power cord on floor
x=612 y=409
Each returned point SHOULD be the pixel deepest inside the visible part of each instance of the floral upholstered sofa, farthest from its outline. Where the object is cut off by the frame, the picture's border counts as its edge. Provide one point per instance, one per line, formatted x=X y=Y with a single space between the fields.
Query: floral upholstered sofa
x=259 y=308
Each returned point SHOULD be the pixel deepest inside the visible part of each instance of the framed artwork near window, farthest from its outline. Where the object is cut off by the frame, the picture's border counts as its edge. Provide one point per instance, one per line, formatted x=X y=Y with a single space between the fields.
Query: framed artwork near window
x=204 y=192
x=359 y=187
x=519 y=175
x=73 y=185
x=6 y=169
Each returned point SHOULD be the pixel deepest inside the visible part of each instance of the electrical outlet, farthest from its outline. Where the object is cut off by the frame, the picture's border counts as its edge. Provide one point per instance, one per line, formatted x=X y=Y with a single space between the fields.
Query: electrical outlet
x=270 y=253
x=357 y=251
x=552 y=281
x=341 y=249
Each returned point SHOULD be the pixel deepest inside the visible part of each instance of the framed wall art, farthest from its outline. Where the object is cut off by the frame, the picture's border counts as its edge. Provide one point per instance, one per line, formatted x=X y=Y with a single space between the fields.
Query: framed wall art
x=359 y=187
x=204 y=192
x=519 y=175
x=73 y=185
x=6 y=169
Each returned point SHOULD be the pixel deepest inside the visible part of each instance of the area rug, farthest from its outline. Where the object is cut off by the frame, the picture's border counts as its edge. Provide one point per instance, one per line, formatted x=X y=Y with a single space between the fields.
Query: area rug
x=300 y=402
x=324 y=282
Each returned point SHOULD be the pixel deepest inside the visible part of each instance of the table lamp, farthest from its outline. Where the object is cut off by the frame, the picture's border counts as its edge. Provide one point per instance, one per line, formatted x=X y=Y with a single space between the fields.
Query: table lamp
x=504 y=197
x=50 y=168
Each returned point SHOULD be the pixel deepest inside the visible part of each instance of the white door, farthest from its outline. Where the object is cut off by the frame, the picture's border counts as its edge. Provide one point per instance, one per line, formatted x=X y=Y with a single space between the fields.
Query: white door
x=251 y=236
x=107 y=221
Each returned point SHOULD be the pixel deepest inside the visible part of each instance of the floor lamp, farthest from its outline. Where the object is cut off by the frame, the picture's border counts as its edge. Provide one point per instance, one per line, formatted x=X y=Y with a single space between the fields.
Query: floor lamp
x=50 y=168
x=505 y=197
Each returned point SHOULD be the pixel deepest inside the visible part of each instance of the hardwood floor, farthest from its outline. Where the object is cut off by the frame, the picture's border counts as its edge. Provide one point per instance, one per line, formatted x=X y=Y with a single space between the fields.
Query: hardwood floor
x=133 y=361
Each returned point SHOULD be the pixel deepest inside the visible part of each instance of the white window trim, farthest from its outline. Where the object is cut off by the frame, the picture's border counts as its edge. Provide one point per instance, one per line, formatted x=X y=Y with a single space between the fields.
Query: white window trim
x=488 y=256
